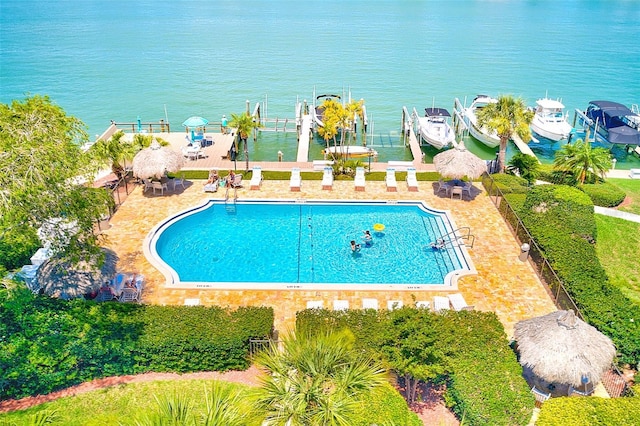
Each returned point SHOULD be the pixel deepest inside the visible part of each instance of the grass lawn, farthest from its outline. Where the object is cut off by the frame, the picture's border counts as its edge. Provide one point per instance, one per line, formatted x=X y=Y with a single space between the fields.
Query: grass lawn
x=618 y=249
x=632 y=189
x=120 y=404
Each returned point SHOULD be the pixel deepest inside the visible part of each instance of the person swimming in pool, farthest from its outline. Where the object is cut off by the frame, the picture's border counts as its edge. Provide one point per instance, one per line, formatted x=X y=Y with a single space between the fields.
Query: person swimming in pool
x=355 y=247
x=367 y=238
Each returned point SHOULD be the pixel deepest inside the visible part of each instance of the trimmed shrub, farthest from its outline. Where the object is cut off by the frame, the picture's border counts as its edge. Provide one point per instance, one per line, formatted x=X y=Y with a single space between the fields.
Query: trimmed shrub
x=51 y=344
x=589 y=411
x=509 y=184
x=390 y=409
x=560 y=219
x=461 y=344
x=604 y=194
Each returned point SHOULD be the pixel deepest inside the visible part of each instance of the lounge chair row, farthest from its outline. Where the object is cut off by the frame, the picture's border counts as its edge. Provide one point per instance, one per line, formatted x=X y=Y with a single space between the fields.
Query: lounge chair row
x=295 y=181
x=440 y=303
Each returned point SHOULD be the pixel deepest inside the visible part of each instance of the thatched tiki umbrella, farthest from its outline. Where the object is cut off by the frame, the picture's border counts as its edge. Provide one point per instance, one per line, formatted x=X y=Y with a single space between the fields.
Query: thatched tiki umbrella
x=156 y=161
x=457 y=163
x=563 y=350
x=62 y=279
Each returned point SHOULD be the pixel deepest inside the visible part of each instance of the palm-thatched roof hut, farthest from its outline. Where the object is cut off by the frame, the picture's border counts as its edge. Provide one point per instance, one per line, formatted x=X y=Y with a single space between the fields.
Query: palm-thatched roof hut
x=61 y=278
x=156 y=161
x=458 y=162
x=563 y=350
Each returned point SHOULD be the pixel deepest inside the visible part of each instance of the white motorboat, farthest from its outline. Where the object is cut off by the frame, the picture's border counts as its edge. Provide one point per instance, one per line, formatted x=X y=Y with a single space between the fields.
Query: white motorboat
x=484 y=135
x=550 y=121
x=349 y=151
x=434 y=127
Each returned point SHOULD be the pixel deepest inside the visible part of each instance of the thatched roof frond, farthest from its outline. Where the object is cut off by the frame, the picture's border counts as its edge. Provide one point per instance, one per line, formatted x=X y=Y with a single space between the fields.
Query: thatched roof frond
x=561 y=348
x=457 y=163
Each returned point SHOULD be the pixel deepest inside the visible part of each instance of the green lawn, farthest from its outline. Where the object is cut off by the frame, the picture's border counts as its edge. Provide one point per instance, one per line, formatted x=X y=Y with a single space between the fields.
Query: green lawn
x=632 y=188
x=120 y=404
x=618 y=249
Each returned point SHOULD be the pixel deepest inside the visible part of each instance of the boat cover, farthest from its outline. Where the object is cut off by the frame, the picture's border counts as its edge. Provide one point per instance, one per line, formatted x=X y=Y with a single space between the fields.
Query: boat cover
x=611 y=115
x=436 y=112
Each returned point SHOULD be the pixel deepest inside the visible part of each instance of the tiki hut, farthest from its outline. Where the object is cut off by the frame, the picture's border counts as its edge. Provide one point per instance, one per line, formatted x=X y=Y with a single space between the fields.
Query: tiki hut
x=561 y=353
x=156 y=161
x=63 y=279
x=457 y=163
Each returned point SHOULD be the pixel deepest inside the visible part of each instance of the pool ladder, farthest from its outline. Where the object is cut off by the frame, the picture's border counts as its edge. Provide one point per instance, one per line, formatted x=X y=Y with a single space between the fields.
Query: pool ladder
x=230 y=207
x=456 y=238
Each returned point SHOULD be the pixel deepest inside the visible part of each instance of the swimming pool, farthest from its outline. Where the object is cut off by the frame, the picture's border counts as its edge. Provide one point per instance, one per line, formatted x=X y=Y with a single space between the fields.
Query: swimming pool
x=306 y=245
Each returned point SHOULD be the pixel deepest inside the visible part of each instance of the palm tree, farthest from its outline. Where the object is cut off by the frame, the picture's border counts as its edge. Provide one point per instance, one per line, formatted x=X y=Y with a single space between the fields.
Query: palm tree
x=245 y=125
x=314 y=380
x=526 y=166
x=583 y=162
x=115 y=152
x=507 y=116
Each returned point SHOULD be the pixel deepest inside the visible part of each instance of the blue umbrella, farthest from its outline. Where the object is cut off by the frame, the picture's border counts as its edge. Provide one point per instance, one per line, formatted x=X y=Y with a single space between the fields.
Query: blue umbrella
x=195 y=121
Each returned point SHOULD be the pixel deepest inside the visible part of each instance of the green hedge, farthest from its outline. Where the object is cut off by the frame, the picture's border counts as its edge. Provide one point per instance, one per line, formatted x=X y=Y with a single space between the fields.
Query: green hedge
x=560 y=219
x=385 y=406
x=49 y=344
x=17 y=245
x=604 y=194
x=461 y=344
x=509 y=184
x=578 y=411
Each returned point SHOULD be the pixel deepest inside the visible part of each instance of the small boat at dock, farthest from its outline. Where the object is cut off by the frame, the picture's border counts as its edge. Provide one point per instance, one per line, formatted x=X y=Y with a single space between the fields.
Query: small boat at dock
x=349 y=151
x=483 y=134
x=434 y=127
x=613 y=121
x=550 y=121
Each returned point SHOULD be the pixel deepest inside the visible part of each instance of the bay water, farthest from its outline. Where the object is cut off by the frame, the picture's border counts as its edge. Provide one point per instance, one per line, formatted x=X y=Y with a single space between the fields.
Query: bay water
x=171 y=59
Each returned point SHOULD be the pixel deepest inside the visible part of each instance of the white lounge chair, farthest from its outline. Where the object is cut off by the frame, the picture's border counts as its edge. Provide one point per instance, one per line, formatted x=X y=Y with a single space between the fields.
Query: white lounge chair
x=327 y=178
x=359 y=179
x=440 y=303
x=256 y=178
x=191 y=302
x=412 y=180
x=129 y=295
x=392 y=184
x=340 y=305
x=457 y=302
x=315 y=304
x=296 y=180
x=370 y=304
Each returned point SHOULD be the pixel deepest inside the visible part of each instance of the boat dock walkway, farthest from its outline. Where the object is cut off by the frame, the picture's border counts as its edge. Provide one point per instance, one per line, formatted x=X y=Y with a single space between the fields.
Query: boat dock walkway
x=523 y=146
x=304 y=139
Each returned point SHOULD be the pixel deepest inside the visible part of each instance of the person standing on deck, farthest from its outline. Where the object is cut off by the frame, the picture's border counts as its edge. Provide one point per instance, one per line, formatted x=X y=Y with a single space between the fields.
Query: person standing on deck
x=223 y=125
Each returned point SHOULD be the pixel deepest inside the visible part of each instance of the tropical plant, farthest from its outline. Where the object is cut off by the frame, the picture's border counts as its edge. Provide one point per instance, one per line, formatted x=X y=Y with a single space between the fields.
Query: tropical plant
x=507 y=117
x=525 y=166
x=40 y=164
x=338 y=118
x=114 y=152
x=244 y=123
x=584 y=163
x=315 y=380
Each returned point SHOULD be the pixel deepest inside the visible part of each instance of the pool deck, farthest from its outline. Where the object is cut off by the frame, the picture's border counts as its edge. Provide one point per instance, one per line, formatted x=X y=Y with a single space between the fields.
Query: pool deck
x=504 y=284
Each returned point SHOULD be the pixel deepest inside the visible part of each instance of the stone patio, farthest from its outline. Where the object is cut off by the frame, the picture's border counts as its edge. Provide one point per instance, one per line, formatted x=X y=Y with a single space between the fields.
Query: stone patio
x=504 y=284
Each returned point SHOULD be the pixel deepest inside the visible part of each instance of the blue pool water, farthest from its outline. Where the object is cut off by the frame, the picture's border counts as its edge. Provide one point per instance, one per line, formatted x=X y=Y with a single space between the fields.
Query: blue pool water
x=307 y=243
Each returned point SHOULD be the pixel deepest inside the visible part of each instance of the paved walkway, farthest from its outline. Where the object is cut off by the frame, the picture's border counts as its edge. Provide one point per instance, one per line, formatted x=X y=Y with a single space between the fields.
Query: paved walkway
x=617 y=213
x=504 y=285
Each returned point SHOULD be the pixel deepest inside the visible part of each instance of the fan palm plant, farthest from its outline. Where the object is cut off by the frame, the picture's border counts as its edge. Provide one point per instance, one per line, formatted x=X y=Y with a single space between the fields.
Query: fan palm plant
x=314 y=380
x=114 y=152
x=507 y=117
x=583 y=162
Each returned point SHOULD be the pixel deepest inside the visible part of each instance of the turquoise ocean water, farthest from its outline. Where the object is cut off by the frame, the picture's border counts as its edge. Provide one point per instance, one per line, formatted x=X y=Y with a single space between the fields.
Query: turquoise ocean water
x=119 y=60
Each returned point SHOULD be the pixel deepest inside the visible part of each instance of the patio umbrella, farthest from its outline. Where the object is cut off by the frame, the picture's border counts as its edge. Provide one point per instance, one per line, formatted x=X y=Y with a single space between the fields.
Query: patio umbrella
x=156 y=160
x=62 y=279
x=562 y=349
x=457 y=163
x=195 y=121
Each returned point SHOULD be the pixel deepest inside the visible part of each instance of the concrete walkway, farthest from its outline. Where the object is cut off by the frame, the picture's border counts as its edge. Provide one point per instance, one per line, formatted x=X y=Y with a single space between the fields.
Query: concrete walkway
x=617 y=213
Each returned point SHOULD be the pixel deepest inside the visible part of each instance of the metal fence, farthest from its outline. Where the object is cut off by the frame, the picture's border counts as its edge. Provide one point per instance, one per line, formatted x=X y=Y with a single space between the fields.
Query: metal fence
x=613 y=379
x=120 y=190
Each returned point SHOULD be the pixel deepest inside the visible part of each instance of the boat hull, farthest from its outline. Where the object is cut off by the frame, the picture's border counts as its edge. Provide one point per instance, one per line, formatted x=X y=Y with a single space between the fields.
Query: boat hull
x=437 y=134
x=555 y=134
x=350 y=151
x=491 y=140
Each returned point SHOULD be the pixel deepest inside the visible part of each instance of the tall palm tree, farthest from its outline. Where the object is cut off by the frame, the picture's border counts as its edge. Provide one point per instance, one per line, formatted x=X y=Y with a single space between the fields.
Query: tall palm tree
x=582 y=161
x=507 y=117
x=115 y=152
x=314 y=380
